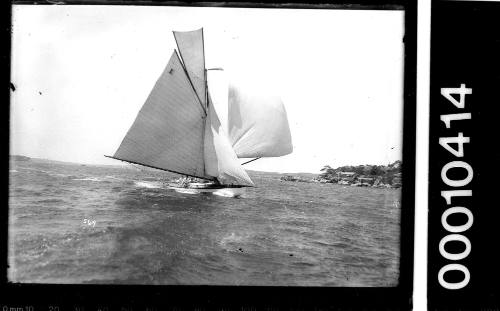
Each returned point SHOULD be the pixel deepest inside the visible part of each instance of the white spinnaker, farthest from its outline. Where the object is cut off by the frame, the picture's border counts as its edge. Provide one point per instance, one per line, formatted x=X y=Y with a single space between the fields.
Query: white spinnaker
x=168 y=130
x=257 y=123
x=220 y=159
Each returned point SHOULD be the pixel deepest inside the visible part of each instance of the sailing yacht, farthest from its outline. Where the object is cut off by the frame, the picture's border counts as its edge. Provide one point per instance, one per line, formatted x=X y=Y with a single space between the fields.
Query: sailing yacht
x=198 y=124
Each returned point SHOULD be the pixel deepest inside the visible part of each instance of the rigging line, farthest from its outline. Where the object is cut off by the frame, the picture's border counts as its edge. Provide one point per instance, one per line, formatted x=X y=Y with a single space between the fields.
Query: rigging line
x=206 y=87
x=250 y=161
x=187 y=74
x=204 y=68
x=158 y=168
x=205 y=126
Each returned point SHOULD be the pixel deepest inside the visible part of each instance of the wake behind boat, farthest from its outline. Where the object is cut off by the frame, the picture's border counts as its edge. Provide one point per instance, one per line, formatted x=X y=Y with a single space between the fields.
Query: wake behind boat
x=197 y=124
x=191 y=185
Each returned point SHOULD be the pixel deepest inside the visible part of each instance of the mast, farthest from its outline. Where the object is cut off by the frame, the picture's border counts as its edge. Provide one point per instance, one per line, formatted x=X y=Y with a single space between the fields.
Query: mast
x=206 y=101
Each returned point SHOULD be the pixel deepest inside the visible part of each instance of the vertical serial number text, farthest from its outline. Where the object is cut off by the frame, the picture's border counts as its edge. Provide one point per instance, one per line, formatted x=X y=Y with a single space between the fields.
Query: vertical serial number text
x=454 y=144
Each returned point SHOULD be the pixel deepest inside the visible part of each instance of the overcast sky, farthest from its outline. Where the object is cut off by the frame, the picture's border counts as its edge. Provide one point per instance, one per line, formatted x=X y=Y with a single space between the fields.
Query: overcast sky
x=83 y=72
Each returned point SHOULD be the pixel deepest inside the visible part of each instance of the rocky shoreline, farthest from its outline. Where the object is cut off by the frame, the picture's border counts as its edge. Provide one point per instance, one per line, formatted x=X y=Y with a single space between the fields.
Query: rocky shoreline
x=376 y=176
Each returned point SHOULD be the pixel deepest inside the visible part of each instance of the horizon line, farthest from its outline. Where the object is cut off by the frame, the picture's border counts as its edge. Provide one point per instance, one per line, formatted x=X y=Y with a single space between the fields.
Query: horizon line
x=127 y=164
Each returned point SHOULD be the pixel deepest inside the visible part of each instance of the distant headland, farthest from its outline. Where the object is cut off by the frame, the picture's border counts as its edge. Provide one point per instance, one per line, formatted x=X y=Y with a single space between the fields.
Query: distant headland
x=379 y=176
x=19 y=158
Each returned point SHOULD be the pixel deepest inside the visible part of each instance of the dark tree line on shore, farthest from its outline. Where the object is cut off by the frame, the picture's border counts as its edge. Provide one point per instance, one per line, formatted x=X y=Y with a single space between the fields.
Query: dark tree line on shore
x=387 y=174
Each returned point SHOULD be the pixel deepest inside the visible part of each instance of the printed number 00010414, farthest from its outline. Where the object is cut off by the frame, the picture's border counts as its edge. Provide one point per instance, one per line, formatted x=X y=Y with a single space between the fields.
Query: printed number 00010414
x=455 y=230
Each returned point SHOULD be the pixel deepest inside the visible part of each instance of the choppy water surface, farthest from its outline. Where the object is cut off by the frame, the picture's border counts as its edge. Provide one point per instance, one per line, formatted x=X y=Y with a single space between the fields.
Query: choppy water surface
x=95 y=224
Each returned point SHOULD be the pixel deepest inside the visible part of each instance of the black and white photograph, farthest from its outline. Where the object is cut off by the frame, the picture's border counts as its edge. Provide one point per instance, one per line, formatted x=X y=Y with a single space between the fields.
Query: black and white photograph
x=231 y=146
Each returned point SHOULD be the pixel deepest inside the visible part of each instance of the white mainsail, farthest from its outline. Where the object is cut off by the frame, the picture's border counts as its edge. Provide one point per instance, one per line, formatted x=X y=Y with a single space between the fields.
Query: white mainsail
x=187 y=129
x=168 y=130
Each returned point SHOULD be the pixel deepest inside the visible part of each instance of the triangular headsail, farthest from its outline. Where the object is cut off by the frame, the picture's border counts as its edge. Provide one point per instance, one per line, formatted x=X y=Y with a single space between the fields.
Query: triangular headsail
x=190 y=44
x=220 y=159
x=168 y=131
x=217 y=87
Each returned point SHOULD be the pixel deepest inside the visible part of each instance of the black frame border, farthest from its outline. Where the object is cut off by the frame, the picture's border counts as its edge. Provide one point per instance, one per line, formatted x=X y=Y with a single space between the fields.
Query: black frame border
x=474 y=63
x=147 y=297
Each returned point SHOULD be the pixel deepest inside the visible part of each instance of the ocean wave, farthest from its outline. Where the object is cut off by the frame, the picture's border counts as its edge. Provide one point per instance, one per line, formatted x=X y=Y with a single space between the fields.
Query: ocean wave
x=50 y=173
x=229 y=193
x=51 y=201
x=113 y=177
x=60 y=175
x=233 y=239
x=117 y=189
x=12 y=171
x=29 y=192
x=34 y=170
x=148 y=184
x=89 y=179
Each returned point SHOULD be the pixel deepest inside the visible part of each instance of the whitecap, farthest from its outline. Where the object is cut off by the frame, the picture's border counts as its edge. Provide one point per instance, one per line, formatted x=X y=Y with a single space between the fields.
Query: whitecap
x=34 y=170
x=231 y=239
x=148 y=184
x=229 y=192
x=59 y=175
x=88 y=179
